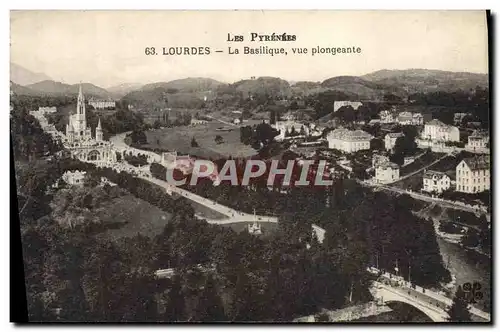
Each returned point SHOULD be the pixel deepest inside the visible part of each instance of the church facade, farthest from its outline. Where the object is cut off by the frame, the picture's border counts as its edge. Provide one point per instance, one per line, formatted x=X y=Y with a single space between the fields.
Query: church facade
x=79 y=140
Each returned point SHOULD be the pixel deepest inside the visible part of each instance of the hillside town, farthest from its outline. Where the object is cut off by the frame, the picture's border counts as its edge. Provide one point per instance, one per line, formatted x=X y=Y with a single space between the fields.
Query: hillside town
x=350 y=199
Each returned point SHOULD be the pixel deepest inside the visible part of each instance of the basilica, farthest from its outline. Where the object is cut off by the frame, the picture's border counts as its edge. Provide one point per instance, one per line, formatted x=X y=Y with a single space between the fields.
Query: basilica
x=79 y=140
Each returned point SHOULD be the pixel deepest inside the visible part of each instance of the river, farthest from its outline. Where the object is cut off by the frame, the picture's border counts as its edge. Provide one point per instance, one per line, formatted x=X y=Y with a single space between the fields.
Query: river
x=468 y=266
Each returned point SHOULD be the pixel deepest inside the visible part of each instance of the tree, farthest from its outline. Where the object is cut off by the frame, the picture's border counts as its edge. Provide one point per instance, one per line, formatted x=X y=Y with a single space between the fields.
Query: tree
x=194 y=144
x=219 y=139
x=209 y=307
x=459 y=311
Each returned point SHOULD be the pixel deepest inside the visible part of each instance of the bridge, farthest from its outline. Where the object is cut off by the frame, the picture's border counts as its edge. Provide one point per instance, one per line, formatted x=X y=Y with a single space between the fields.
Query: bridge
x=390 y=288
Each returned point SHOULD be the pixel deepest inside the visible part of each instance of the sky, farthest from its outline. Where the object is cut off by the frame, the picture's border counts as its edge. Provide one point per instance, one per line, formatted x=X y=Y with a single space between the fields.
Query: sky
x=108 y=47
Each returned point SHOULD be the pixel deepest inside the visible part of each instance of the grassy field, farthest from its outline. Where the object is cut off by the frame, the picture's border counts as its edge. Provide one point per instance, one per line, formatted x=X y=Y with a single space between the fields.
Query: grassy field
x=129 y=216
x=179 y=139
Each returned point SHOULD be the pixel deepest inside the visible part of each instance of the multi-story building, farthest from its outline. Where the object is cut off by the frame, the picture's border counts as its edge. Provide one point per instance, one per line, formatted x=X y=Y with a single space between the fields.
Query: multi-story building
x=409 y=118
x=473 y=174
x=390 y=140
x=436 y=130
x=478 y=140
x=102 y=103
x=349 y=140
x=386 y=173
x=436 y=182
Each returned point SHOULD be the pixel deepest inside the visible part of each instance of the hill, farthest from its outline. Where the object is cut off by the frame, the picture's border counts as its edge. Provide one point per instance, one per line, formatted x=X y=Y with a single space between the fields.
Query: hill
x=272 y=86
x=23 y=76
x=353 y=85
x=122 y=89
x=53 y=88
x=426 y=80
x=17 y=89
x=190 y=84
x=183 y=93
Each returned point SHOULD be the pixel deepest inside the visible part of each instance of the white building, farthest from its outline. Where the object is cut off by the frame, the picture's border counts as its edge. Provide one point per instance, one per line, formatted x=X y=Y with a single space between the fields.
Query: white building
x=285 y=127
x=75 y=178
x=435 y=182
x=102 y=103
x=436 y=130
x=478 y=140
x=386 y=173
x=254 y=228
x=196 y=122
x=236 y=121
x=418 y=119
x=473 y=174
x=349 y=140
x=47 y=110
x=338 y=104
x=390 y=140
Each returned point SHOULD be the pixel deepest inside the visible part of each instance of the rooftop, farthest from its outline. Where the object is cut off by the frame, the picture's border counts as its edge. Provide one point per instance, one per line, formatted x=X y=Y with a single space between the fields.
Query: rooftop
x=350 y=135
x=388 y=164
x=395 y=135
x=479 y=134
x=433 y=174
x=479 y=162
x=436 y=122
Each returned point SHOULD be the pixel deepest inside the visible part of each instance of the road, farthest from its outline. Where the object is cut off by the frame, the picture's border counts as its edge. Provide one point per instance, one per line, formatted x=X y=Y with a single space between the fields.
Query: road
x=442 y=203
x=222 y=121
x=232 y=214
x=422 y=168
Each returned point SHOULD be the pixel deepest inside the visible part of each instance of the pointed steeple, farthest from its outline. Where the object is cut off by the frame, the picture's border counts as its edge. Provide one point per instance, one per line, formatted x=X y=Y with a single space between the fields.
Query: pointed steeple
x=99 y=124
x=80 y=92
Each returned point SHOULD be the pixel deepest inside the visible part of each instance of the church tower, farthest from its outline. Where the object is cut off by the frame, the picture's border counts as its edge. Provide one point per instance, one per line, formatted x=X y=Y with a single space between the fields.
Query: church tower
x=80 y=121
x=98 y=132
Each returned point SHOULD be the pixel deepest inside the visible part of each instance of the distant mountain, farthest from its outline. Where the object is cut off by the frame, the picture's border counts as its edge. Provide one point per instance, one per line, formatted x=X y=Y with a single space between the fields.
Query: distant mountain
x=273 y=86
x=183 y=93
x=17 y=89
x=122 y=89
x=353 y=85
x=190 y=84
x=23 y=76
x=53 y=88
x=426 y=80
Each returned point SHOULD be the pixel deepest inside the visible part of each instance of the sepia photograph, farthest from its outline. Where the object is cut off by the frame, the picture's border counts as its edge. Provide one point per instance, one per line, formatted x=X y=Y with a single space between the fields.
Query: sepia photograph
x=270 y=166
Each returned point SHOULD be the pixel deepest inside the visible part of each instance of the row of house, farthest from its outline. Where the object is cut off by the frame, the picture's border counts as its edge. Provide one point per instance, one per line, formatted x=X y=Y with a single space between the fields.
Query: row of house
x=403 y=118
x=102 y=103
x=472 y=176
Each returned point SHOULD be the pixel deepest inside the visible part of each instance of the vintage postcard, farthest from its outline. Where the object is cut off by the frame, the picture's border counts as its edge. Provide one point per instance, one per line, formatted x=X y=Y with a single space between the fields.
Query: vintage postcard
x=251 y=166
